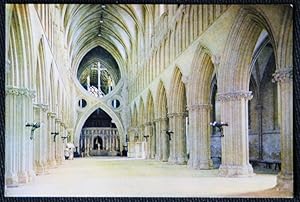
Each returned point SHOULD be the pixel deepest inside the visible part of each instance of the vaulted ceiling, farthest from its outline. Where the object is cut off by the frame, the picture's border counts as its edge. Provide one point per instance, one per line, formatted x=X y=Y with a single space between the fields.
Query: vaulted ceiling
x=121 y=25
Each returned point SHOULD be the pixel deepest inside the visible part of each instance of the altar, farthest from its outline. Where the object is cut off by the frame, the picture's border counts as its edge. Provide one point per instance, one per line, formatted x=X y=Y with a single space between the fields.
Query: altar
x=100 y=141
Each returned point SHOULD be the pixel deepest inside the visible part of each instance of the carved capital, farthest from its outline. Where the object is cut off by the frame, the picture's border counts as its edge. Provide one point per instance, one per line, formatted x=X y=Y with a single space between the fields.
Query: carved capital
x=149 y=123
x=177 y=114
x=41 y=106
x=185 y=79
x=283 y=75
x=234 y=96
x=199 y=107
x=57 y=120
x=11 y=90
x=51 y=114
x=216 y=59
x=156 y=120
x=7 y=65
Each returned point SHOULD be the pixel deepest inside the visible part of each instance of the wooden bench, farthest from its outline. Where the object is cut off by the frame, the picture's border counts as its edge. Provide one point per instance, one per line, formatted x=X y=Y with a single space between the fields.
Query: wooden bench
x=268 y=164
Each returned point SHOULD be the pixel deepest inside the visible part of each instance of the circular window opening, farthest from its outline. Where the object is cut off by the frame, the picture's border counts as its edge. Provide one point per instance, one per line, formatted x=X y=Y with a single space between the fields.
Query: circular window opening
x=115 y=103
x=82 y=103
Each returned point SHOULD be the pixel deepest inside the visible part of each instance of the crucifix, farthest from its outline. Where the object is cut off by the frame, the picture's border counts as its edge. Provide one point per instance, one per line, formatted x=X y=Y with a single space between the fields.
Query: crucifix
x=99 y=75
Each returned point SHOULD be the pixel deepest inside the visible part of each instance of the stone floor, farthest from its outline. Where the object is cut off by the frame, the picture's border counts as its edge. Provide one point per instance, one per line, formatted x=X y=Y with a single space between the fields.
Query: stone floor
x=121 y=177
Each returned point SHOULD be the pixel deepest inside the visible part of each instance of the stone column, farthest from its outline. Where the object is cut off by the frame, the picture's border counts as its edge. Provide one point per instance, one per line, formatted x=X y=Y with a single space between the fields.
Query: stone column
x=284 y=79
x=18 y=146
x=63 y=141
x=147 y=140
x=158 y=153
x=193 y=160
x=39 y=139
x=180 y=148
x=172 y=124
x=199 y=117
x=235 y=143
x=28 y=153
x=165 y=142
x=152 y=140
x=85 y=145
x=51 y=129
x=110 y=141
x=106 y=142
x=88 y=145
x=11 y=136
x=57 y=141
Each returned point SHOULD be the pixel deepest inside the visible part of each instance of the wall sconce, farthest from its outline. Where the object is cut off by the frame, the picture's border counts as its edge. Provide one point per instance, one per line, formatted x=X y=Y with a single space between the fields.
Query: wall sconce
x=169 y=133
x=65 y=137
x=55 y=134
x=219 y=125
x=146 y=137
x=33 y=126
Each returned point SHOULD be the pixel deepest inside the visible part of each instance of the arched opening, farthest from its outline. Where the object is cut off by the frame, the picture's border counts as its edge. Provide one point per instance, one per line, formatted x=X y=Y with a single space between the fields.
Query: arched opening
x=98 y=72
x=215 y=141
x=150 y=129
x=264 y=132
x=202 y=93
x=99 y=136
x=177 y=118
x=163 y=137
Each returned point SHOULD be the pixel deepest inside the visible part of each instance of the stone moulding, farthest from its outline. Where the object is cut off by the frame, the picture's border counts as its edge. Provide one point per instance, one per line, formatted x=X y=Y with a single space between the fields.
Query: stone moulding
x=199 y=106
x=282 y=75
x=51 y=114
x=234 y=96
x=10 y=90
x=177 y=114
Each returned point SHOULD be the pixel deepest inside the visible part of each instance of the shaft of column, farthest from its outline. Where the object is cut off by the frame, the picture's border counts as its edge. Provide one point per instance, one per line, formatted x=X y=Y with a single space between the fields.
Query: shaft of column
x=235 y=144
x=165 y=140
x=11 y=158
x=172 y=123
x=181 y=139
x=158 y=139
x=284 y=79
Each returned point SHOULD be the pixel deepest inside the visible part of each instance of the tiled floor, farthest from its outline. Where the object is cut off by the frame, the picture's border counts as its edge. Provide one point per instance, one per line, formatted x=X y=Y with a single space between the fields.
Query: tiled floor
x=119 y=177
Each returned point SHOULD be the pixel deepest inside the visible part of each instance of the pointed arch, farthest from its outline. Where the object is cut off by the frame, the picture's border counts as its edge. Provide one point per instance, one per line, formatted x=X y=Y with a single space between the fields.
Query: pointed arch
x=141 y=112
x=150 y=107
x=134 y=117
x=39 y=84
x=241 y=43
x=20 y=38
x=161 y=100
x=178 y=93
x=201 y=76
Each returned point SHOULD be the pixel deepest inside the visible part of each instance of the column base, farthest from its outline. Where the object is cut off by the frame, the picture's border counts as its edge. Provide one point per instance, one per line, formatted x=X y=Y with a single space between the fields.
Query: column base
x=39 y=168
x=164 y=159
x=203 y=165
x=52 y=163
x=158 y=157
x=172 y=160
x=236 y=171
x=181 y=160
x=23 y=177
x=11 y=181
x=190 y=163
x=31 y=175
x=58 y=160
x=285 y=183
x=152 y=156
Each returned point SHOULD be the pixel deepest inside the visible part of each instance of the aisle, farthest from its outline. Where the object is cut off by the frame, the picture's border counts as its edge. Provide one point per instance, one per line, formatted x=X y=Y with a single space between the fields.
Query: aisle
x=119 y=177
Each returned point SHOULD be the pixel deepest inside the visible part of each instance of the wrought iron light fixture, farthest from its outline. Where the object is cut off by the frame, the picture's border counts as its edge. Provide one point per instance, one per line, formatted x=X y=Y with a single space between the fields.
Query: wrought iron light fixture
x=33 y=126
